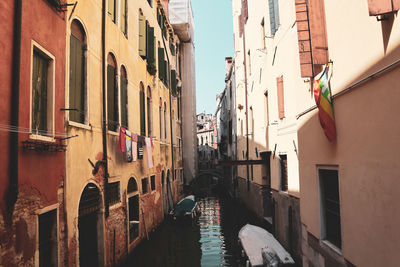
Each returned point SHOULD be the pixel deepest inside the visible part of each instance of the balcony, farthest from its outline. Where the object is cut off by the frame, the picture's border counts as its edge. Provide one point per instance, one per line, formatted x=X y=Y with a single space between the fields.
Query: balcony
x=181 y=18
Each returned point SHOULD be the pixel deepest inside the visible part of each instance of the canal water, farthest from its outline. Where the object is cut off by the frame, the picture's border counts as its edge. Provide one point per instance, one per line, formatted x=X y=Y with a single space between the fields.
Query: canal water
x=210 y=240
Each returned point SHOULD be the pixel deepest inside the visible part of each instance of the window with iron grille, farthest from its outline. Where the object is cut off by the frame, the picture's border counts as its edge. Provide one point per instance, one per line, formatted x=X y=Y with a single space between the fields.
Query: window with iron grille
x=48 y=244
x=330 y=202
x=114 y=195
x=153 y=182
x=145 y=185
x=284 y=175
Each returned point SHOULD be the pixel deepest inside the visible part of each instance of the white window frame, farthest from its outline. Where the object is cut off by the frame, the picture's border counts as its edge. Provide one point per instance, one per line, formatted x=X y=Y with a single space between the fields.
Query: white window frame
x=50 y=93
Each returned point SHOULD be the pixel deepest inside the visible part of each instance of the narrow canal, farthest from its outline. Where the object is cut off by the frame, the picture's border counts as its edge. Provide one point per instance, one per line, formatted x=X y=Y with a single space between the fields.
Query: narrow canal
x=210 y=240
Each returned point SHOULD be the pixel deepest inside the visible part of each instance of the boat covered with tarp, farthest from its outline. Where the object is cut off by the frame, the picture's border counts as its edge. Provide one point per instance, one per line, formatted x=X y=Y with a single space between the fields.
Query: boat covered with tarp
x=186 y=207
x=262 y=249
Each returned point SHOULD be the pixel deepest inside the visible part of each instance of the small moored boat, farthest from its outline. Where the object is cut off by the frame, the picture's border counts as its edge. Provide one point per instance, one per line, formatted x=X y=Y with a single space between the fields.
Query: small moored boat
x=187 y=207
x=262 y=249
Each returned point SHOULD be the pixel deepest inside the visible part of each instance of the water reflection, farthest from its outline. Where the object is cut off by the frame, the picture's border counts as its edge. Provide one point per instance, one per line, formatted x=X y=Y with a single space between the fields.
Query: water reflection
x=208 y=241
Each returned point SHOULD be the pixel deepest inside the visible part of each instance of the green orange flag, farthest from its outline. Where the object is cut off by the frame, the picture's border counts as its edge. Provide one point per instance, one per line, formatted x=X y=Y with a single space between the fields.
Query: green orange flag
x=323 y=100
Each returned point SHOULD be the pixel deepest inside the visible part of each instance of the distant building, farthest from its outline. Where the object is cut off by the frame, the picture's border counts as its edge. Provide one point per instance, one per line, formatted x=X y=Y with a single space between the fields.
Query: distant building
x=206 y=140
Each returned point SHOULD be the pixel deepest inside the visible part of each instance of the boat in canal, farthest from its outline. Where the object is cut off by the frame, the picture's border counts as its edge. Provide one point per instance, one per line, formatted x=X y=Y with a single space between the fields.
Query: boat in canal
x=260 y=248
x=186 y=207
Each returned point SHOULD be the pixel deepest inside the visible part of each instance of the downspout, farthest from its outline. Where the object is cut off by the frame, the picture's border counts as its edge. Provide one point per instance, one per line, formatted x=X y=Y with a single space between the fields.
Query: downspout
x=12 y=193
x=170 y=116
x=104 y=133
x=247 y=116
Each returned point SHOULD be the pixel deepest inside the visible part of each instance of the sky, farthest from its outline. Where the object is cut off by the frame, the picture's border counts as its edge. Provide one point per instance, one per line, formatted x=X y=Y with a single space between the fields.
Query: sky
x=213 y=42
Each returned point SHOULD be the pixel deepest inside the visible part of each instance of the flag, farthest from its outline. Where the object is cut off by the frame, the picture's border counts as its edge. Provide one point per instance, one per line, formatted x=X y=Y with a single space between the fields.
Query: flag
x=323 y=100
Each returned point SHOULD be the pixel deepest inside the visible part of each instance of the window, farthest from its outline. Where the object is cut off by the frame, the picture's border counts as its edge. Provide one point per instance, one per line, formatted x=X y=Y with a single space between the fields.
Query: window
x=142 y=35
x=173 y=83
x=48 y=241
x=160 y=117
x=42 y=93
x=165 y=120
x=77 y=73
x=150 y=50
x=149 y=113
x=202 y=140
x=124 y=98
x=145 y=185
x=266 y=107
x=274 y=15
x=133 y=209
x=112 y=94
x=112 y=9
x=330 y=202
x=142 y=99
x=114 y=195
x=263 y=45
x=284 y=174
x=281 y=103
x=124 y=22
x=153 y=182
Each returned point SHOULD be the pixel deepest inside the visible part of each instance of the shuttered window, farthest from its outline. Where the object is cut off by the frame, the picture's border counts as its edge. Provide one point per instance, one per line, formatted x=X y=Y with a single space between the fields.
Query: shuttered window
x=379 y=7
x=39 y=94
x=111 y=10
x=151 y=51
x=112 y=99
x=77 y=75
x=311 y=31
x=161 y=70
x=245 y=11
x=142 y=99
x=124 y=21
x=284 y=173
x=124 y=99
x=142 y=36
x=240 y=21
x=149 y=113
x=281 y=104
x=273 y=15
x=173 y=82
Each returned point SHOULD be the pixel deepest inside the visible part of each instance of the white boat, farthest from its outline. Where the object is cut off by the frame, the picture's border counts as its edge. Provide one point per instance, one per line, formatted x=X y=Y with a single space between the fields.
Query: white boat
x=261 y=248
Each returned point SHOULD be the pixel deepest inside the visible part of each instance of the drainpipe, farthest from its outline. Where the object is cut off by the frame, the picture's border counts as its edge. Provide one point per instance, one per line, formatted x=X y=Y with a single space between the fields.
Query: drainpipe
x=12 y=193
x=170 y=116
x=247 y=116
x=104 y=132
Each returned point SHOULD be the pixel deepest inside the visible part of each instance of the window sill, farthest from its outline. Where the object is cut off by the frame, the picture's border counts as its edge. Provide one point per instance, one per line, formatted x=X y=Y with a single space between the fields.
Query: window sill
x=42 y=138
x=79 y=125
x=112 y=133
x=329 y=245
x=115 y=206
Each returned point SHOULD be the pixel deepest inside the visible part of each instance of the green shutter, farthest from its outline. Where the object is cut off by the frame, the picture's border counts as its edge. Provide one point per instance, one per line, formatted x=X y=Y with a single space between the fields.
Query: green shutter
x=76 y=95
x=150 y=45
x=173 y=82
x=161 y=63
x=142 y=36
x=142 y=113
x=276 y=14
x=166 y=74
x=272 y=16
x=111 y=107
x=124 y=102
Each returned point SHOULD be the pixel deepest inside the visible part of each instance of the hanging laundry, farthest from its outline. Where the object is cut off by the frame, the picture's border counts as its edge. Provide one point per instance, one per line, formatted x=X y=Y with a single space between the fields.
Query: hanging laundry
x=134 y=146
x=149 y=154
x=140 y=147
x=151 y=140
x=128 y=145
x=121 y=142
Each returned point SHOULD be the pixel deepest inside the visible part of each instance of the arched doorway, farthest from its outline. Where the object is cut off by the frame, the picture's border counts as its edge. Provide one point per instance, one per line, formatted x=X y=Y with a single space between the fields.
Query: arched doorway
x=133 y=211
x=90 y=225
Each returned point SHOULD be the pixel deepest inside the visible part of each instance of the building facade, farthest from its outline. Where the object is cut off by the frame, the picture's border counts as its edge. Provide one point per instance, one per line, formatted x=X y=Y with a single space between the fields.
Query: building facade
x=32 y=220
x=349 y=186
x=206 y=141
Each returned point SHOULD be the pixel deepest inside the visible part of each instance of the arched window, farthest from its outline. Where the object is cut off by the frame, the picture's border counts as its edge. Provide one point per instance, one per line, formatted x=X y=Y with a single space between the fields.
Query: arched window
x=77 y=73
x=149 y=113
x=124 y=98
x=112 y=93
x=142 y=100
x=160 y=117
x=165 y=121
x=132 y=186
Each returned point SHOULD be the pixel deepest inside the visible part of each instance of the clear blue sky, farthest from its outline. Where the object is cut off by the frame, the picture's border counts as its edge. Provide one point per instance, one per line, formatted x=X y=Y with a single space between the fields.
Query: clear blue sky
x=213 y=42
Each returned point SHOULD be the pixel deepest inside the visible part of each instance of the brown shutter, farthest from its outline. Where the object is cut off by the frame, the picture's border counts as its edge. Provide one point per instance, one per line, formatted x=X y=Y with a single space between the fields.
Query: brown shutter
x=319 y=40
x=281 y=104
x=377 y=7
x=111 y=114
x=124 y=102
x=142 y=113
x=303 y=35
x=240 y=25
x=245 y=11
x=396 y=5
